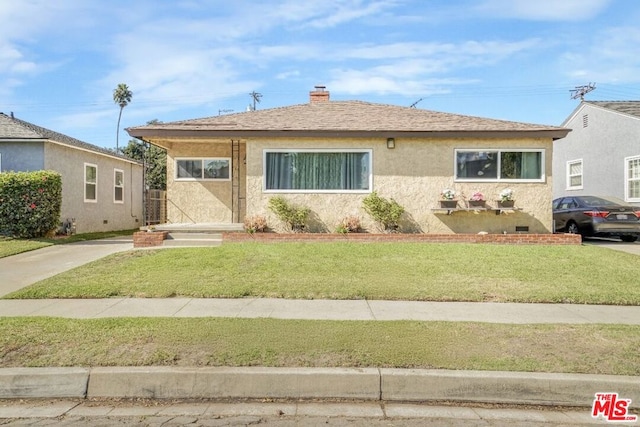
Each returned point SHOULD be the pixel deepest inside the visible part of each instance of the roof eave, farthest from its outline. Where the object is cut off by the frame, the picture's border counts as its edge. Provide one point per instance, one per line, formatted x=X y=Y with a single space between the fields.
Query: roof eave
x=208 y=133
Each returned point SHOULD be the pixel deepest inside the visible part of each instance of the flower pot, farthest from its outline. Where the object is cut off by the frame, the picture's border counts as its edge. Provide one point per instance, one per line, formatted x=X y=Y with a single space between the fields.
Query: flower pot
x=448 y=204
x=477 y=203
x=506 y=203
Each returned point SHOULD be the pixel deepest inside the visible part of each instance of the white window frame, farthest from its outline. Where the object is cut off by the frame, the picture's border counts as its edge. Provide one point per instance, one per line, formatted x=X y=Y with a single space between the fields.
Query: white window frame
x=318 y=150
x=202 y=159
x=628 y=178
x=569 y=175
x=116 y=186
x=500 y=151
x=95 y=184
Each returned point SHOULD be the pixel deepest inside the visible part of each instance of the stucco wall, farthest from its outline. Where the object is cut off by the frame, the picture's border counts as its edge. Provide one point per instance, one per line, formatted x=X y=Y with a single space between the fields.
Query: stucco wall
x=414 y=174
x=203 y=201
x=21 y=156
x=603 y=145
x=105 y=214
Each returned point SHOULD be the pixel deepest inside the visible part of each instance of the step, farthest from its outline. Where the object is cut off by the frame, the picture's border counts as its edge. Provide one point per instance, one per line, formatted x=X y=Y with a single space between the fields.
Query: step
x=183 y=239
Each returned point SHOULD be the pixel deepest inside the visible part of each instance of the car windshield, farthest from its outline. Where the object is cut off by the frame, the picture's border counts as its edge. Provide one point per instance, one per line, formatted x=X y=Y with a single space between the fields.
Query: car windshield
x=601 y=201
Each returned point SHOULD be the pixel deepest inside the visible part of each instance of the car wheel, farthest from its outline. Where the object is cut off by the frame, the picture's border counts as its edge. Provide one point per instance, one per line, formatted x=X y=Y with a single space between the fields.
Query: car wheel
x=572 y=228
x=628 y=238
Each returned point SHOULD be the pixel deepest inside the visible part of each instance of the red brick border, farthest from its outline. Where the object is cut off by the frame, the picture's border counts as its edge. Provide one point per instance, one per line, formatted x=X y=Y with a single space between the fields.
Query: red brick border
x=510 y=239
x=145 y=239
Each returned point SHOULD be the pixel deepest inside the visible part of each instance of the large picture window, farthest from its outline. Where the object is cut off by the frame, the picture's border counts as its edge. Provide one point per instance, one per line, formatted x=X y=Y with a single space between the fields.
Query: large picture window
x=500 y=165
x=90 y=182
x=632 y=179
x=574 y=175
x=203 y=169
x=317 y=170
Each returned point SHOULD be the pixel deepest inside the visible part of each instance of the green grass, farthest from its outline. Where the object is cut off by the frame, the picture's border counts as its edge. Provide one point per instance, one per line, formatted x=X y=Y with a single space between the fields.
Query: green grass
x=10 y=246
x=388 y=271
x=33 y=342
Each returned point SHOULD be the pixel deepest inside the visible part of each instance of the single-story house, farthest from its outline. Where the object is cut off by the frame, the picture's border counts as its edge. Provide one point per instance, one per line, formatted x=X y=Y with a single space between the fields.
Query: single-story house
x=329 y=155
x=101 y=190
x=601 y=156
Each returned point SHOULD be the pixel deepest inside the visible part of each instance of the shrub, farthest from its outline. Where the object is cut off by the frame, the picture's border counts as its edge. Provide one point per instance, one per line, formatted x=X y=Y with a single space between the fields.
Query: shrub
x=350 y=224
x=386 y=212
x=294 y=216
x=255 y=223
x=30 y=203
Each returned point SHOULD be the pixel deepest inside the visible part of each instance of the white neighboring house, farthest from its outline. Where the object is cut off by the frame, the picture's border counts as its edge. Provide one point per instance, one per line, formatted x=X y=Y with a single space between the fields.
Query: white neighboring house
x=101 y=190
x=601 y=155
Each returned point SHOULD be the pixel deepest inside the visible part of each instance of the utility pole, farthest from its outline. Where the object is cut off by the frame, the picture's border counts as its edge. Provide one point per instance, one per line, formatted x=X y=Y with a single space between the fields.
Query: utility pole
x=581 y=91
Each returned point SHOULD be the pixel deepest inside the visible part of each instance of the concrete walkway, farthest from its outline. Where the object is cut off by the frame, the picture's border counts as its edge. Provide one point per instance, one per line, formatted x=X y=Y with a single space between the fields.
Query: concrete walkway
x=323 y=310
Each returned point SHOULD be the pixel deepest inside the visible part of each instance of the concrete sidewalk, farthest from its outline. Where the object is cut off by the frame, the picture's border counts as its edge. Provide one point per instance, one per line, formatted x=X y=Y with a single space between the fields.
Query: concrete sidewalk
x=323 y=310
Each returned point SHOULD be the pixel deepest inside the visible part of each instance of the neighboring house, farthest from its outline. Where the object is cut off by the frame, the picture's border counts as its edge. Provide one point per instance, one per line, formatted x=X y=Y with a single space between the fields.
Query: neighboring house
x=601 y=156
x=101 y=191
x=329 y=155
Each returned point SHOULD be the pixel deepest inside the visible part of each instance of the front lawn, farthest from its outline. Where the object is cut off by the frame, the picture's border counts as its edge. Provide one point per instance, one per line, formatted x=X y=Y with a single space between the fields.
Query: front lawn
x=595 y=349
x=387 y=271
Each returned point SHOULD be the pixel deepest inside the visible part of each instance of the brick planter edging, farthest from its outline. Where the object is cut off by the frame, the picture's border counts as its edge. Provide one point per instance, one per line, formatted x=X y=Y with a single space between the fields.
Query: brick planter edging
x=145 y=239
x=508 y=239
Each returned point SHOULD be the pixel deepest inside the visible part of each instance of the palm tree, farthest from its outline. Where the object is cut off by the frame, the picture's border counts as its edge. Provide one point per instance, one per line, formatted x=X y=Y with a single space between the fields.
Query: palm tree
x=121 y=96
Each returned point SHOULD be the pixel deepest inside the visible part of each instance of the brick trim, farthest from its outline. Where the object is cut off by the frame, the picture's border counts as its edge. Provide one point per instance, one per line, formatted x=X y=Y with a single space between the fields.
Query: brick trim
x=507 y=239
x=145 y=239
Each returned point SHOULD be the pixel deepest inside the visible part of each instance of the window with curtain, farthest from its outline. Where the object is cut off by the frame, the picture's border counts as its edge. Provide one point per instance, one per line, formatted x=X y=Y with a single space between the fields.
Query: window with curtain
x=633 y=179
x=574 y=175
x=203 y=169
x=318 y=171
x=499 y=165
x=90 y=183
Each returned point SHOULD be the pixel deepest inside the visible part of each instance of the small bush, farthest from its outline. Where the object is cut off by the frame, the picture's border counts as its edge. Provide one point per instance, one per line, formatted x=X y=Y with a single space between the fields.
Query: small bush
x=255 y=223
x=30 y=203
x=294 y=216
x=350 y=224
x=386 y=212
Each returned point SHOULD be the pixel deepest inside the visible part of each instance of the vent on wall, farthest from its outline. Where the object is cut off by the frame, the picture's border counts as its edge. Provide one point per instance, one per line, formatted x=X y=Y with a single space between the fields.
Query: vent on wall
x=585 y=120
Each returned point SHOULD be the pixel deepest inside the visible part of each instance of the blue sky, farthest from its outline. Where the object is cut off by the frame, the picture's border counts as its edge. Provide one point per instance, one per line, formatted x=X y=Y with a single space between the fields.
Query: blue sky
x=506 y=59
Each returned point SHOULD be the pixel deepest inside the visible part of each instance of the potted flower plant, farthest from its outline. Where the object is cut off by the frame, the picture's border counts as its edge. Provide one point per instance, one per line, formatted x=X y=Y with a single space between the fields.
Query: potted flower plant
x=477 y=200
x=506 y=198
x=448 y=199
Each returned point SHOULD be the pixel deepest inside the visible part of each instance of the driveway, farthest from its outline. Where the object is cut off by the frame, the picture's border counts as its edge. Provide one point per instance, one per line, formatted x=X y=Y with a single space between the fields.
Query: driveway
x=615 y=244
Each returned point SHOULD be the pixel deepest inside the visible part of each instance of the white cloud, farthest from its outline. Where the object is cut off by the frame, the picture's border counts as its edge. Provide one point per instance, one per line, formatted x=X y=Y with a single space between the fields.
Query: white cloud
x=544 y=10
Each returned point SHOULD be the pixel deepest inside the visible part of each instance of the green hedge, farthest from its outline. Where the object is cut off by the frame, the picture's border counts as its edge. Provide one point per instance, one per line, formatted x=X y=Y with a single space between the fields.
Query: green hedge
x=30 y=203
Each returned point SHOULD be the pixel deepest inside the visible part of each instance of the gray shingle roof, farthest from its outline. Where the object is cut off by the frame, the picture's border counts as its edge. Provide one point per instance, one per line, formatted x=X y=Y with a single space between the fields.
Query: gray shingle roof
x=343 y=116
x=14 y=128
x=631 y=108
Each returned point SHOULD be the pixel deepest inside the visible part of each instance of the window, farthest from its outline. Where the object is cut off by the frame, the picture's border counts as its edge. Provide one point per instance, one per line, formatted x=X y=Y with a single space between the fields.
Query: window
x=574 y=175
x=632 y=190
x=90 y=183
x=500 y=165
x=118 y=186
x=317 y=171
x=203 y=169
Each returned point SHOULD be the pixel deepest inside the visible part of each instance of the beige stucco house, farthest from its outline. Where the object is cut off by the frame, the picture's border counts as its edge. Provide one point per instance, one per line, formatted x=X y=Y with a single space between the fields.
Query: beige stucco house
x=101 y=190
x=329 y=155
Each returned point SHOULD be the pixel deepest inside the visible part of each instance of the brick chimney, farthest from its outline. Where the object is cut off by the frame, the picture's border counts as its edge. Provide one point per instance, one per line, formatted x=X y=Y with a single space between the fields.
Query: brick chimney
x=319 y=95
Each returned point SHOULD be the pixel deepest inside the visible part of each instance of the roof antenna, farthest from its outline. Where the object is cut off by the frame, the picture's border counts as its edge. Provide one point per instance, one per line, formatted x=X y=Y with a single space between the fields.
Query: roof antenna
x=256 y=98
x=581 y=91
x=415 y=103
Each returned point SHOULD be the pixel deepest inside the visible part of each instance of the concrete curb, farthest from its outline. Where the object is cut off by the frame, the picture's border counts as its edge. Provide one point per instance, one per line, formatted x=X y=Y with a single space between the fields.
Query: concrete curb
x=368 y=384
